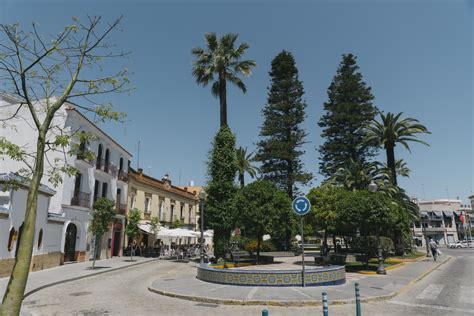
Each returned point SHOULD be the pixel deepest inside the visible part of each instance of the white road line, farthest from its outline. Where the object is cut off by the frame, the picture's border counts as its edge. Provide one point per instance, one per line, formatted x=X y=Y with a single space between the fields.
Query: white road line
x=467 y=294
x=252 y=292
x=431 y=292
x=442 y=308
x=304 y=294
x=216 y=288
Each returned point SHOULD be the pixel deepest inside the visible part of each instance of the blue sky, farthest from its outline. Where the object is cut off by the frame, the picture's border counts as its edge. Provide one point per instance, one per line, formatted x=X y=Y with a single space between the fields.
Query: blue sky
x=416 y=56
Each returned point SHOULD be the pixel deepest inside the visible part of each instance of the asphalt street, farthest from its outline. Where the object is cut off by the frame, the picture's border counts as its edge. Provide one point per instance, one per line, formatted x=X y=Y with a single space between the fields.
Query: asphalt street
x=449 y=290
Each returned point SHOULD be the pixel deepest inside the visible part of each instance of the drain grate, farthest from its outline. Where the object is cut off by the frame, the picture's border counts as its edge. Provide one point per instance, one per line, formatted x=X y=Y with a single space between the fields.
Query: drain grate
x=207 y=305
x=377 y=288
x=168 y=279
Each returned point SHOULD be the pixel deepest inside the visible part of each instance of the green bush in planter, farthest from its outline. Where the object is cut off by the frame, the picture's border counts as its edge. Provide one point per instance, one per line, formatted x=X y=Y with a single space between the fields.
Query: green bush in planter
x=368 y=245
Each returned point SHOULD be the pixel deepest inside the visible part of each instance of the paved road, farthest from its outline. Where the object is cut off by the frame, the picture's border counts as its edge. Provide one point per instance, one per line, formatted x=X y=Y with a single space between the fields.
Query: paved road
x=447 y=291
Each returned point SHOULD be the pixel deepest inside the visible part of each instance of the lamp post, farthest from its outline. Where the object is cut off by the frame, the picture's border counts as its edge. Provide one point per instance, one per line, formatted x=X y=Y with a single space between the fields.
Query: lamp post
x=381 y=268
x=202 y=197
x=424 y=224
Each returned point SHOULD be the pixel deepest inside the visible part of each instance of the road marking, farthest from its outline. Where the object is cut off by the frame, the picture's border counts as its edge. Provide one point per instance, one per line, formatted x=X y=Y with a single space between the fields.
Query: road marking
x=431 y=292
x=216 y=288
x=467 y=294
x=252 y=292
x=442 y=308
x=304 y=294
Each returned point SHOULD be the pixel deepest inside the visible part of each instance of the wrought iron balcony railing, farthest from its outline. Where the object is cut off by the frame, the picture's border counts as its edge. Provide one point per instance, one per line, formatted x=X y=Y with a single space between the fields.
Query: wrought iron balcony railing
x=81 y=199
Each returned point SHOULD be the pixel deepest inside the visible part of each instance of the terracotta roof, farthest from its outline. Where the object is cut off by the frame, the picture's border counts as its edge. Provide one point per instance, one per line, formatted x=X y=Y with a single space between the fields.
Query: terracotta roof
x=160 y=184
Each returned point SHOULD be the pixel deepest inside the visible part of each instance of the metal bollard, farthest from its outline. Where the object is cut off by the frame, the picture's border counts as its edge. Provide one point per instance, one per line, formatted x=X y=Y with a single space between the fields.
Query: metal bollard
x=357 y=292
x=325 y=304
x=264 y=312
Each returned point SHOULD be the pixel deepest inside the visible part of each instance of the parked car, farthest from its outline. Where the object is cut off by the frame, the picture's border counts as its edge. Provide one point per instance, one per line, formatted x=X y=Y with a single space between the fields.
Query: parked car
x=457 y=244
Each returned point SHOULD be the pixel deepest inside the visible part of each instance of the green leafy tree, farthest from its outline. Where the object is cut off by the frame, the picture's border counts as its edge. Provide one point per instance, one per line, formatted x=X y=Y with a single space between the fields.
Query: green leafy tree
x=155 y=226
x=43 y=75
x=280 y=149
x=222 y=167
x=132 y=230
x=349 y=110
x=261 y=207
x=389 y=131
x=244 y=165
x=326 y=208
x=103 y=214
x=221 y=58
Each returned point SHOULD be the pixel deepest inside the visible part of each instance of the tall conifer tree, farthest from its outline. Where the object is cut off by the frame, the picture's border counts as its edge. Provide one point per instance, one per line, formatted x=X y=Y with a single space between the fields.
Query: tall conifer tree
x=222 y=167
x=280 y=149
x=349 y=110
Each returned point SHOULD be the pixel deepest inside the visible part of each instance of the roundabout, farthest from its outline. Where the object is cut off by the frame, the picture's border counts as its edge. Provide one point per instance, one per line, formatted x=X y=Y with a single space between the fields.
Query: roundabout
x=273 y=275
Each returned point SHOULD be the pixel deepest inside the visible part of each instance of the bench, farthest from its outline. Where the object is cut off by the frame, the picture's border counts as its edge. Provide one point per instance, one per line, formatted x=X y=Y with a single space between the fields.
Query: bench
x=241 y=256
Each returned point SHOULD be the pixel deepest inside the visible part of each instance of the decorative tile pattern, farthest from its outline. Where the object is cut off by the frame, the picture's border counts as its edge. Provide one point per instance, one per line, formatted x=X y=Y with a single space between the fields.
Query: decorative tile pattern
x=333 y=276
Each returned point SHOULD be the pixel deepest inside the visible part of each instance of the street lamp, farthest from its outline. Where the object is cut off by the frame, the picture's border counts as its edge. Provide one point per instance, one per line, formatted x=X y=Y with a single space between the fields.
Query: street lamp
x=381 y=268
x=424 y=224
x=202 y=197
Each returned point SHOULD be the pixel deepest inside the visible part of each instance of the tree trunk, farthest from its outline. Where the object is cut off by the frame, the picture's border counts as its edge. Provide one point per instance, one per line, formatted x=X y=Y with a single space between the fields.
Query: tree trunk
x=13 y=297
x=390 y=149
x=223 y=99
x=95 y=251
x=334 y=242
x=242 y=180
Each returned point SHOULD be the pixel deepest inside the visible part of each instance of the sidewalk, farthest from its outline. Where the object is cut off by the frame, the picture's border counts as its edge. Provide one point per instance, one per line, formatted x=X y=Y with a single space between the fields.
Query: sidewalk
x=185 y=285
x=73 y=271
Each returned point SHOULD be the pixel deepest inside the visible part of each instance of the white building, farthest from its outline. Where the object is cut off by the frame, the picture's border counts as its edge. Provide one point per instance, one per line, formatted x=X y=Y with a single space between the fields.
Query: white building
x=440 y=220
x=106 y=176
x=48 y=229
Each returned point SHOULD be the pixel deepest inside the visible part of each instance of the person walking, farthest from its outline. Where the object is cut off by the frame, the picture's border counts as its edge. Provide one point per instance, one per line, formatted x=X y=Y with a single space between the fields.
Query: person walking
x=434 y=248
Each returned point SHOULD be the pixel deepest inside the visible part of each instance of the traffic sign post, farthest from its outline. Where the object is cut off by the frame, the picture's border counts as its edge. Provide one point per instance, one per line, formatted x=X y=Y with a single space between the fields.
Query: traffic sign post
x=302 y=206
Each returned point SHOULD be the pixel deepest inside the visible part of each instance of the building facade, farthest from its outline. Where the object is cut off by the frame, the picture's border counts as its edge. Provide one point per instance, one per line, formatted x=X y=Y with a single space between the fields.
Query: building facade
x=440 y=220
x=48 y=228
x=172 y=205
x=105 y=176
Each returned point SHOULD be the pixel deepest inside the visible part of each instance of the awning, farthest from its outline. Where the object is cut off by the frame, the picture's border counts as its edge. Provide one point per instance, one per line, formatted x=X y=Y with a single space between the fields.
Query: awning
x=145 y=226
x=438 y=213
x=173 y=233
x=448 y=213
x=457 y=213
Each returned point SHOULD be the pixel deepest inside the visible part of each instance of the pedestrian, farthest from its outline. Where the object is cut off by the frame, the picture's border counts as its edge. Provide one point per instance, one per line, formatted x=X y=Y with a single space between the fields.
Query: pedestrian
x=434 y=248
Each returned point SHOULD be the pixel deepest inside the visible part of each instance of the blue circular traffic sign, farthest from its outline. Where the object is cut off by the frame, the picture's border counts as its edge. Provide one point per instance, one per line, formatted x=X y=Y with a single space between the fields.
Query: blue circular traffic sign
x=301 y=205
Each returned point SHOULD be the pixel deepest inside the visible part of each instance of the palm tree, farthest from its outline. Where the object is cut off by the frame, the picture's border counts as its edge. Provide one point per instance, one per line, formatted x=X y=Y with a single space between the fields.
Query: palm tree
x=244 y=165
x=392 y=130
x=401 y=168
x=356 y=175
x=223 y=59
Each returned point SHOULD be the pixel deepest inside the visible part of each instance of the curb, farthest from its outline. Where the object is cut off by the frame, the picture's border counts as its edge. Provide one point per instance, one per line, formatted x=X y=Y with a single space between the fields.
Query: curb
x=392 y=267
x=83 y=277
x=295 y=303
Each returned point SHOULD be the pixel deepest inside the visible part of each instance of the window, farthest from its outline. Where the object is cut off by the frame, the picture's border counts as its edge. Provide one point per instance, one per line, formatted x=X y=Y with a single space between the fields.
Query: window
x=4 y=198
x=40 y=238
x=181 y=212
x=147 y=204
x=104 y=189
x=133 y=196
x=99 y=157
x=11 y=239
x=96 y=190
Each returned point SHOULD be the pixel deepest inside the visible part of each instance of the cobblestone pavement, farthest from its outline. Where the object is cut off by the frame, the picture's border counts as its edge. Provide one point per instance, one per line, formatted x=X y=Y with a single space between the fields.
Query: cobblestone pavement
x=443 y=292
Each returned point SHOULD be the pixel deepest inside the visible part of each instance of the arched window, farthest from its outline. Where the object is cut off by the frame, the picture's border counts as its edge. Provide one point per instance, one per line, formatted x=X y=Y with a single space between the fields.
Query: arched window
x=99 y=157
x=11 y=239
x=40 y=238
x=106 y=160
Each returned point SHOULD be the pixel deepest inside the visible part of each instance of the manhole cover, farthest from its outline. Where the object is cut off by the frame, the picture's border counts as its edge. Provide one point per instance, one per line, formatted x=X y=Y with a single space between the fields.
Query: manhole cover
x=206 y=305
x=80 y=293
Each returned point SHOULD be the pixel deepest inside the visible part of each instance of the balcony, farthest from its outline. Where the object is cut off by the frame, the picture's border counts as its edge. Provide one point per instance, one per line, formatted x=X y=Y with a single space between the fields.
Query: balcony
x=81 y=199
x=122 y=176
x=121 y=208
x=106 y=166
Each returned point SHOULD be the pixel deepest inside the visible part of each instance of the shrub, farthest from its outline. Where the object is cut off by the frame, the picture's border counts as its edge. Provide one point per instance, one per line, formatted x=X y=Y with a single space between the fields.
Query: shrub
x=368 y=245
x=264 y=246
